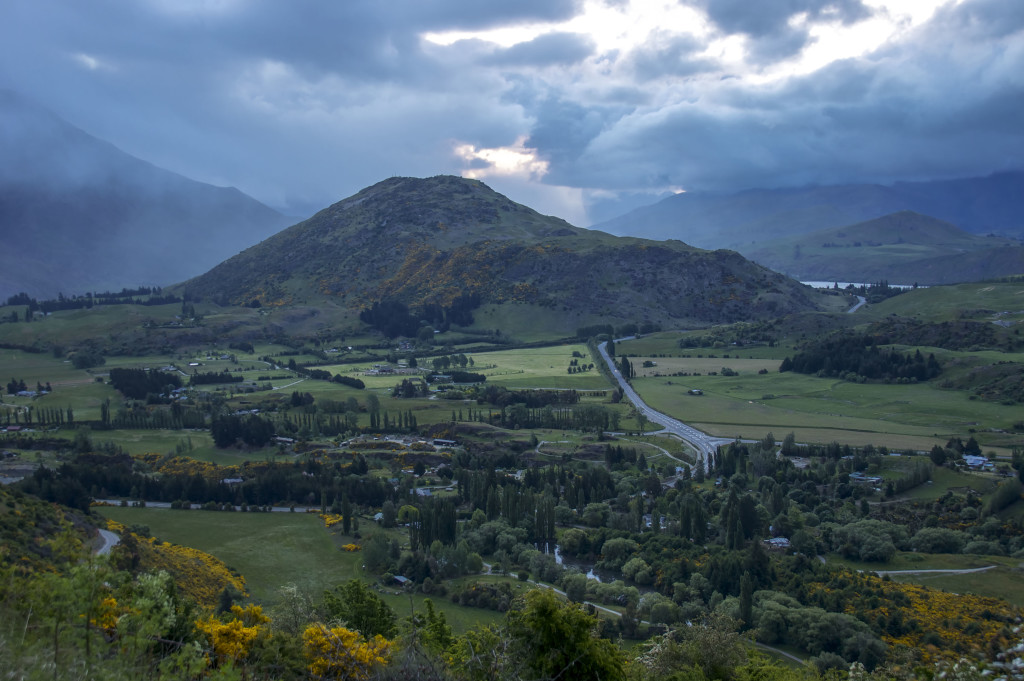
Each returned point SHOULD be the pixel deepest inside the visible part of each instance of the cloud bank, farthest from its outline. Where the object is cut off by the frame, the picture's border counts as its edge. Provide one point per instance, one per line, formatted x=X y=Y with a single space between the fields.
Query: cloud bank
x=565 y=105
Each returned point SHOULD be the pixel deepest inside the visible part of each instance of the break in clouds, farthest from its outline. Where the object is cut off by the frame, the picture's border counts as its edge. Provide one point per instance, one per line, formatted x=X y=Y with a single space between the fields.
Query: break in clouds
x=558 y=104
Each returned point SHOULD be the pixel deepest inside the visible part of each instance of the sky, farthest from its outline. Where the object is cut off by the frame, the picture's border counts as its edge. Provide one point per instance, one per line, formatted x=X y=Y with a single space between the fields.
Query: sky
x=577 y=108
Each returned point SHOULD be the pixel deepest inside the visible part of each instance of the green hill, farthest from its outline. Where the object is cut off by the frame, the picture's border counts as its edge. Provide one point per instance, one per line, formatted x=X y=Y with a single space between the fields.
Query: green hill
x=902 y=247
x=446 y=241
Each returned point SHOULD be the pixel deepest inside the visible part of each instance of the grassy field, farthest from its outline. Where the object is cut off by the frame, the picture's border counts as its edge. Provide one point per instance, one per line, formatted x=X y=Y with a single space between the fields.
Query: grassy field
x=269 y=549
x=703 y=365
x=528 y=323
x=816 y=409
x=72 y=387
x=1002 y=581
x=65 y=327
x=540 y=368
x=947 y=303
x=533 y=367
x=665 y=344
x=167 y=442
x=272 y=550
x=944 y=480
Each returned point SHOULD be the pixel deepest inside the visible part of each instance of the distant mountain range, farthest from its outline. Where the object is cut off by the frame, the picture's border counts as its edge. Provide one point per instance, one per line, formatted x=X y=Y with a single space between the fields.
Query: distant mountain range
x=985 y=205
x=901 y=248
x=77 y=214
x=448 y=242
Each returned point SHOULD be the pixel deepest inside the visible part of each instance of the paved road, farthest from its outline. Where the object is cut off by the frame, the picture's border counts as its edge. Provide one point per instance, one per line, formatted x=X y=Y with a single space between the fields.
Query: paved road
x=196 y=507
x=861 y=300
x=702 y=442
x=881 y=573
x=110 y=540
x=937 y=571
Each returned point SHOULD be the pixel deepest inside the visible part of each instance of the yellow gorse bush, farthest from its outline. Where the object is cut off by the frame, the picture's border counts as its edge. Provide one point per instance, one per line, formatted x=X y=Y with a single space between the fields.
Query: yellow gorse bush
x=964 y=623
x=108 y=613
x=233 y=639
x=340 y=653
x=331 y=519
x=197 y=574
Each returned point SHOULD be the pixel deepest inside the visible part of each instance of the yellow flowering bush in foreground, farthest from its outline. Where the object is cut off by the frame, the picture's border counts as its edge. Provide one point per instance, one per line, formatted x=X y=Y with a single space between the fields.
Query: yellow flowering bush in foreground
x=340 y=653
x=233 y=639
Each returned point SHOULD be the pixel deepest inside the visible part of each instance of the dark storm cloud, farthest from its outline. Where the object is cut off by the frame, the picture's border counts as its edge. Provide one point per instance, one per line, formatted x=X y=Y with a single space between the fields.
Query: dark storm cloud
x=298 y=103
x=305 y=102
x=945 y=101
x=668 y=55
x=550 y=49
x=761 y=19
x=565 y=127
x=767 y=24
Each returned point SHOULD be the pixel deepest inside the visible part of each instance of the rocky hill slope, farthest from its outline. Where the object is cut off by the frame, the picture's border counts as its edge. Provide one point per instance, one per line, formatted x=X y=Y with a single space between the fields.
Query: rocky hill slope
x=437 y=241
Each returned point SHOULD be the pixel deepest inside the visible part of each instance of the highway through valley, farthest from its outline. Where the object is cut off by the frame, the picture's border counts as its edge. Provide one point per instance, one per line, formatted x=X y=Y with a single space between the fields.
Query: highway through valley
x=702 y=442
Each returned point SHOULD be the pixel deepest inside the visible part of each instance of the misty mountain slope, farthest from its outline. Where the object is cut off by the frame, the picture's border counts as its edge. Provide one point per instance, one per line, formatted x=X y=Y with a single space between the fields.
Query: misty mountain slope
x=901 y=248
x=429 y=241
x=993 y=204
x=77 y=214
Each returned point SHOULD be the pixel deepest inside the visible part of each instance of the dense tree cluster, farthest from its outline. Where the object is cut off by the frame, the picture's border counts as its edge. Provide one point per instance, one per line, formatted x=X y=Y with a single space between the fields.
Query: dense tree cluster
x=138 y=384
x=500 y=396
x=214 y=378
x=393 y=318
x=456 y=377
x=858 y=357
x=143 y=295
x=102 y=475
x=252 y=430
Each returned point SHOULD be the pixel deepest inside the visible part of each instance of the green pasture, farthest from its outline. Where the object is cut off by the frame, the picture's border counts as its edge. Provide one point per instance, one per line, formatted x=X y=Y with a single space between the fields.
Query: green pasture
x=75 y=388
x=272 y=550
x=269 y=549
x=545 y=367
x=381 y=382
x=165 y=442
x=65 y=327
x=665 y=344
x=912 y=560
x=40 y=367
x=820 y=409
x=945 y=480
x=701 y=366
x=947 y=303
x=528 y=323
x=1003 y=581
